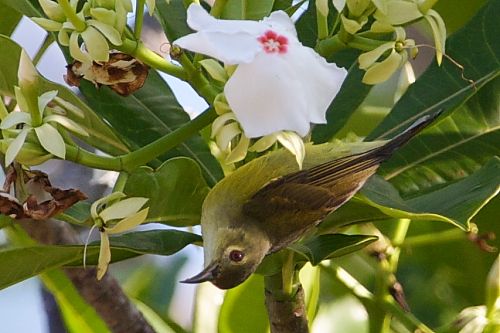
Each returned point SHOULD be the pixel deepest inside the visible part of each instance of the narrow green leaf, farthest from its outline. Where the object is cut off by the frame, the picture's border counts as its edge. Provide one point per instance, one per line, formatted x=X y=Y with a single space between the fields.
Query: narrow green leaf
x=329 y=246
x=77 y=314
x=77 y=214
x=243 y=310
x=176 y=191
x=22 y=263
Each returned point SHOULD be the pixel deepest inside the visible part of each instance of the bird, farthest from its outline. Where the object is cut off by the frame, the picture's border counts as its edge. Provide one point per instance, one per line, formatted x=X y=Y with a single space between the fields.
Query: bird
x=268 y=203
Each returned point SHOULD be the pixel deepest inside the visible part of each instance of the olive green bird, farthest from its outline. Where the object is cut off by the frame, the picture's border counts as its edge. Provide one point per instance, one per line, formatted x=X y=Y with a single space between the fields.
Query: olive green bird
x=268 y=203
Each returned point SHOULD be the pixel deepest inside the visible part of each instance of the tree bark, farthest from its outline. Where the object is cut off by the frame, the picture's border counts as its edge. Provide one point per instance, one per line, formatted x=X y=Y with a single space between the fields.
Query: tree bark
x=287 y=313
x=106 y=296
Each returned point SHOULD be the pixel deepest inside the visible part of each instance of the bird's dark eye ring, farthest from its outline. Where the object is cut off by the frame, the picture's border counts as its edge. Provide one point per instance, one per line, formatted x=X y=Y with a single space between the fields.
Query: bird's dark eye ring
x=236 y=255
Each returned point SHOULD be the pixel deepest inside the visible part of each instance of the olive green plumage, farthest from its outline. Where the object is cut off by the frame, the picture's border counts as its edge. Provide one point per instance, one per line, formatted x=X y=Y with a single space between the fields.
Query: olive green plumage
x=269 y=203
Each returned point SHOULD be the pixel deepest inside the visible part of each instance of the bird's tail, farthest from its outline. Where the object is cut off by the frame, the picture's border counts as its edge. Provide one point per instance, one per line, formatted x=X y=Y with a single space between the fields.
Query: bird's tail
x=388 y=149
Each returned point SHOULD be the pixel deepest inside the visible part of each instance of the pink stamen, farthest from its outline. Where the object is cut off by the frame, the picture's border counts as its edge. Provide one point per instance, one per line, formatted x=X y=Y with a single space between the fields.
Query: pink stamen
x=273 y=43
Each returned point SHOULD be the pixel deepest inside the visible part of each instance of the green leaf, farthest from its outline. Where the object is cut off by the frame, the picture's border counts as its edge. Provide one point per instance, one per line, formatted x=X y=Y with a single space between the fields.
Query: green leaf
x=100 y=135
x=456 y=203
x=247 y=9
x=77 y=314
x=475 y=47
x=77 y=214
x=243 y=310
x=9 y=18
x=149 y=114
x=282 y=4
x=452 y=149
x=176 y=191
x=26 y=7
x=5 y=221
x=329 y=246
x=172 y=17
x=21 y=263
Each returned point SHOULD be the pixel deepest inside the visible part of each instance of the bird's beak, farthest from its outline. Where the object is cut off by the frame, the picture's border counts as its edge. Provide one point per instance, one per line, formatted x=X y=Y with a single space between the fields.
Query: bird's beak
x=209 y=273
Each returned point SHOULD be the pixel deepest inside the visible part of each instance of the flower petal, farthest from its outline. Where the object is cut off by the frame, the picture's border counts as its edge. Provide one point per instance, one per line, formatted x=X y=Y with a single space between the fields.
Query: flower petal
x=293 y=143
x=66 y=123
x=47 y=24
x=96 y=206
x=103 y=15
x=439 y=32
x=239 y=152
x=129 y=222
x=27 y=74
x=108 y=31
x=281 y=104
x=399 y=12
x=214 y=69
x=53 y=10
x=15 y=118
x=96 y=44
x=15 y=146
x=263 y=143
x=51 y=140
x=44 y=99
x=369 y=58
x=219 y=122
x=104 y=256
x=321 y=81
x=75 y=51
x=227 y=133
x=151 y=6
x=122 y=208
x=382 y=71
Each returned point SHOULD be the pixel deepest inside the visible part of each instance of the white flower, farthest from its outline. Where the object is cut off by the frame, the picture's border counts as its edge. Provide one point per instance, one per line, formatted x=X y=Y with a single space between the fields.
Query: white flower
x=279 y=83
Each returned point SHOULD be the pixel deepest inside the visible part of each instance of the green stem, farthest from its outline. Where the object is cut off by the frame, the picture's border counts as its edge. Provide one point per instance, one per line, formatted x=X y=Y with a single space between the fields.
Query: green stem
x=336 y=43
x=150 y=58
x=321 y=20
x=121 y=181
x=70 y=14
x=139 y=18
x=367 y=298
x=41 y=51
x=434 y=238
x=143 y=155
x=218 y=8
x=197 y=80
x=288 y=273
x=398 y=238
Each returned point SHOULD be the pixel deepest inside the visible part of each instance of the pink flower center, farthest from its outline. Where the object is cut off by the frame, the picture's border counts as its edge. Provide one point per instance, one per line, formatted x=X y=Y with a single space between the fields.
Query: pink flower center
x=273 y=43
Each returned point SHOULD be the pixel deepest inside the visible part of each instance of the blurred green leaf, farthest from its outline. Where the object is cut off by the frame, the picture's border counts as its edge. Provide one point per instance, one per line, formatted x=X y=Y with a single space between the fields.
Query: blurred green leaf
x=5 y=221
x=172 y=16
x=79 y=317
x=456 y=13
x=19 y=264
x=247 y=9
x=476 y=48
x=176 y=191
x=452 y=149
x=9 y=18
x=243 y=309
x=159 y=326
x=148 y=114
x=100 y=135
x=329 y=246
x=282 y=4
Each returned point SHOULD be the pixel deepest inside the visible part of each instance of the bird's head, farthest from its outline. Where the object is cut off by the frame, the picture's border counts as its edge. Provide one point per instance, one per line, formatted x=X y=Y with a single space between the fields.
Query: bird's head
x=232 y=256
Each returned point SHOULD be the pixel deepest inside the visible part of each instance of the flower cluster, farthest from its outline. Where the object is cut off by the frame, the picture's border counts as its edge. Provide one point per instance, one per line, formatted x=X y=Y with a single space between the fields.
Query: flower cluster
x=112 y=215
x=278 y=88
x=390 y=16
x=96 y=23
x=41 y=115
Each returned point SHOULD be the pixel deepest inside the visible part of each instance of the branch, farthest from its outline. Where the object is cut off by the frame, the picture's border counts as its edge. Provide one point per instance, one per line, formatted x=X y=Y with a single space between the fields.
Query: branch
x=287 y=312
x=106 y=296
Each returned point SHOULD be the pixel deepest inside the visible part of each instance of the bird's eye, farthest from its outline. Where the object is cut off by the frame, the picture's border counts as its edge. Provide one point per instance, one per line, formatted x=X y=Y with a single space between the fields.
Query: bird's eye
x=236 y=255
